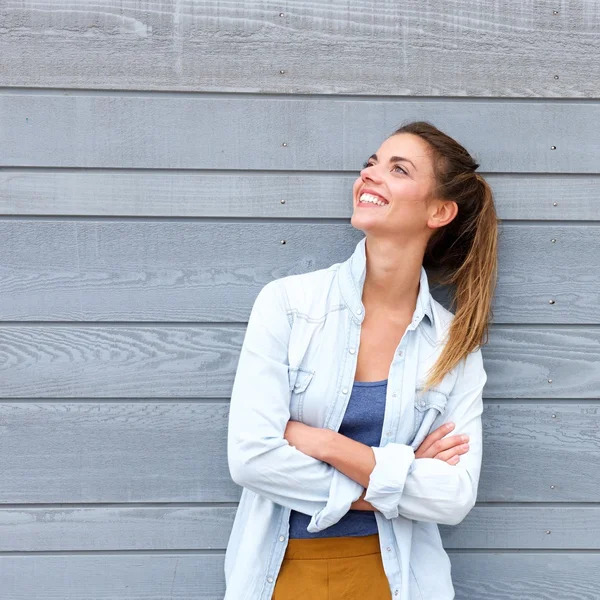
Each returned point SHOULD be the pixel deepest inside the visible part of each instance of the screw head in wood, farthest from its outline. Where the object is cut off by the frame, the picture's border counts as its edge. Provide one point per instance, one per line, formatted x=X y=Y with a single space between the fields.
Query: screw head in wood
x=553 y=147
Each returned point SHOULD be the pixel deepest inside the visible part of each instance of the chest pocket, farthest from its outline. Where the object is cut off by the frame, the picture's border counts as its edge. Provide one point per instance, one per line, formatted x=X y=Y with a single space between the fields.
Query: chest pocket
x=428 y=407
x=299 y=379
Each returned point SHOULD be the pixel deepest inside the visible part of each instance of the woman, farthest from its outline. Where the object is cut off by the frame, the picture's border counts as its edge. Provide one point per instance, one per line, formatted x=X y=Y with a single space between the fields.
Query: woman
x=355 y=415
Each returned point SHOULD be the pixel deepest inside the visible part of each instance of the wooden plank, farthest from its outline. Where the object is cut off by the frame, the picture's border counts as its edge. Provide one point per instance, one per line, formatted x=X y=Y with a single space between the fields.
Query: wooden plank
x=211 y=271
x=113 y=577
x=502 y=576
x=168 y=361
x=320 y=134
x=525 y=575
x=99 y=528
x=534 y=527
x=239 y=194
x=149 y=451
x=355 y=49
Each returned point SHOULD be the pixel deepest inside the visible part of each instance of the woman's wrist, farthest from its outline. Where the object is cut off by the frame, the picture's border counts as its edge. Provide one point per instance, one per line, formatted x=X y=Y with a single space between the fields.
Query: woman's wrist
x=326 y=443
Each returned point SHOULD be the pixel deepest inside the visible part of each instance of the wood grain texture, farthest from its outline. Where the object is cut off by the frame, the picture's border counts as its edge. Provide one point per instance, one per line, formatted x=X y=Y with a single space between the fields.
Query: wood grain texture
x=197 y=271
x=466 y=48
x=188 y=576
x=238 y=194
x=168 y=361
x=176 y=451
x=172 y=527
x=119 y=337
x=162 y=131
x=525 y=575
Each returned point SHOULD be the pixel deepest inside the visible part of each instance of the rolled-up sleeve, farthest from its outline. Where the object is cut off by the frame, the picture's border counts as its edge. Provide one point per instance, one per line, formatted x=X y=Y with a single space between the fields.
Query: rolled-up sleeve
x=259 y=456
x=429 y=489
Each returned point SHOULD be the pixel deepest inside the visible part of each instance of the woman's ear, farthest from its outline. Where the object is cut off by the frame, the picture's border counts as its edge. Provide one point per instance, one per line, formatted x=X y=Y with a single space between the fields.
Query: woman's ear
x=444 y=212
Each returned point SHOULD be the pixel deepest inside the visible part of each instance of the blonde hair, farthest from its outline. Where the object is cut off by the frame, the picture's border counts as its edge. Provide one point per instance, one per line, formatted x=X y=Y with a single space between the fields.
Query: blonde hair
x=463 y=253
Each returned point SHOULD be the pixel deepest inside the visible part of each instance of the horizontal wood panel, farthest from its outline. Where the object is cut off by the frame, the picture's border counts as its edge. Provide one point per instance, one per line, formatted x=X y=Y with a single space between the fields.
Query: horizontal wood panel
x=546 y=197
x=207 y=528
x=66 y=361
x=205 y=271
x=136 y=576
x=476 y=575
x=362 y=48
x=322 y=134
x=525 y=575
x=88 y=452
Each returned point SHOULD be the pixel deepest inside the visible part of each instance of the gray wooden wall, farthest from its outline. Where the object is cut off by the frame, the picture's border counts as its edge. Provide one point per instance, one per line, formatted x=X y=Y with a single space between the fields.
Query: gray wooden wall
x=154 y=156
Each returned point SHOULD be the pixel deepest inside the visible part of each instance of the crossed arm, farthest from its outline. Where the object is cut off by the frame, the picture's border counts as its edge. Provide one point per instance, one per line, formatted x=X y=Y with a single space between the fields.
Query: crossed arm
x=346 y=474
x=352 y=458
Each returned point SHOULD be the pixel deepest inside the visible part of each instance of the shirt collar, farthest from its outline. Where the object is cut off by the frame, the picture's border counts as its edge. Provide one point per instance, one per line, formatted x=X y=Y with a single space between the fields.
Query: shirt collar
x=352 y=278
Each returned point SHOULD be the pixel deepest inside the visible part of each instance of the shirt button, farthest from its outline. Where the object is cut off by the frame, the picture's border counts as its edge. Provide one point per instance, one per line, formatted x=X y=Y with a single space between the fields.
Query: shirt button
x=359 y=311
x=281 y=538
x=352 y=350
x=388 y=433
x=400 y=353
x=270 y=579
x=345 y=391
x=422 y=402
x=394 y=395
x=395 y=592
x=388 y=549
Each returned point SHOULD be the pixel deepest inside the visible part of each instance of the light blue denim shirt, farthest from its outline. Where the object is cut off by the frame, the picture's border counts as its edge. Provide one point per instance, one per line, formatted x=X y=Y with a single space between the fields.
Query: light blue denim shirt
x=298 y=362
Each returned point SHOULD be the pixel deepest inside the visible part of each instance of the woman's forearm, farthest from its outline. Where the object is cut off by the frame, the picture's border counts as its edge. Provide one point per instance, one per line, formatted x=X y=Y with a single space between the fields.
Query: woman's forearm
x=352 y=458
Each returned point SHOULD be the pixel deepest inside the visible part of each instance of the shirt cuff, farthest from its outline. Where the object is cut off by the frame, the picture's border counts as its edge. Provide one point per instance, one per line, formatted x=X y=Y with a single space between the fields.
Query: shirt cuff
x=342 y=493
x=393 y=463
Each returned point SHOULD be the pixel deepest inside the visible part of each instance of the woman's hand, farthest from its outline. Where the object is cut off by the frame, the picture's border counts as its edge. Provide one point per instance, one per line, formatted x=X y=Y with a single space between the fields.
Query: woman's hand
x=446 y=449
x=309 y=440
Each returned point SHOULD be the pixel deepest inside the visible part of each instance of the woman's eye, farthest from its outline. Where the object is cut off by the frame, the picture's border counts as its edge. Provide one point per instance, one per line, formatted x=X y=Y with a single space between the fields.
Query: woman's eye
x=368 y=164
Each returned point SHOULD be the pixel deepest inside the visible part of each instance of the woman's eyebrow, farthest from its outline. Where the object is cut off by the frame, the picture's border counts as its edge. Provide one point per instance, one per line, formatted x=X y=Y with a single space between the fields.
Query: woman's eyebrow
x=396 y=159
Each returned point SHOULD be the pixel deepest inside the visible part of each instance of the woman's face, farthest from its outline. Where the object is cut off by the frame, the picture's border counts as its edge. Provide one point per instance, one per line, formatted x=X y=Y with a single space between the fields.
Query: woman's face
x=405 y=186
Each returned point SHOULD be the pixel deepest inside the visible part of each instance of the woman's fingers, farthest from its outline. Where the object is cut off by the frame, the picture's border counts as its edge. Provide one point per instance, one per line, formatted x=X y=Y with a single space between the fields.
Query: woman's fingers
x=434 y=436
x=436 y=446
x=452 y=452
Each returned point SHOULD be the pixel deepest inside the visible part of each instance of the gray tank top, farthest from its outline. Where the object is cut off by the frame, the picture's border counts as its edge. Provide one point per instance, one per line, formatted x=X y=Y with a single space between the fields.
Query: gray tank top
x=363 y=422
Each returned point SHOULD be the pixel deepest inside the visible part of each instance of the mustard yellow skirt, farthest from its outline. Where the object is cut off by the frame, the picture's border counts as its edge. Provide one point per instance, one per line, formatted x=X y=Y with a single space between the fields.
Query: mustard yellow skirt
x=334 y=568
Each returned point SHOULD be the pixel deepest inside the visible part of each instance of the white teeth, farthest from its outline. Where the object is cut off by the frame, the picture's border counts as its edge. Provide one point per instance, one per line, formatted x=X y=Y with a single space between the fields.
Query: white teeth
x=370 y=198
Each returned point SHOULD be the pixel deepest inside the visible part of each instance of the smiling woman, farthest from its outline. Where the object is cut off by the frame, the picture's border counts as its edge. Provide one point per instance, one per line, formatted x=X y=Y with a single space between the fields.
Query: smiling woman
x=440 y=213
x=349 y=381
